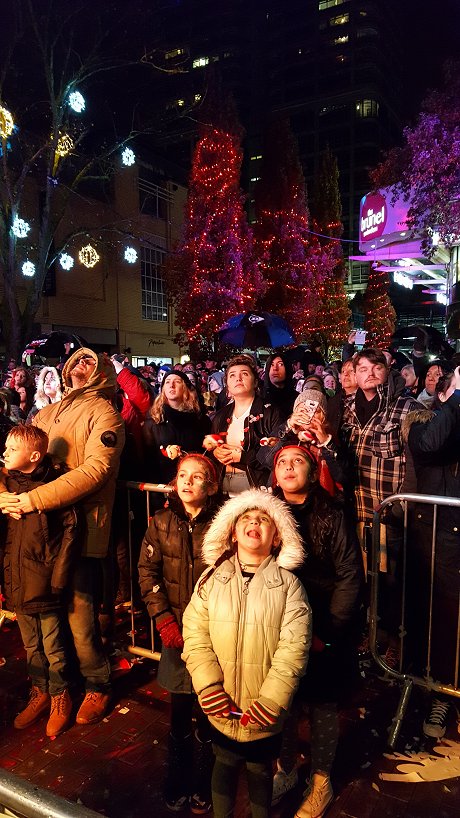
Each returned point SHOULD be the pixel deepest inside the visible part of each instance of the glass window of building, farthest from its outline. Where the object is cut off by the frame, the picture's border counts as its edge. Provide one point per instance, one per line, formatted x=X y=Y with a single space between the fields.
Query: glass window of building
x=367 y=108
x=340 y=20
x=154 y=303
x=174 y=53
x=341 y=40
x=200 y=62
x=328 y=4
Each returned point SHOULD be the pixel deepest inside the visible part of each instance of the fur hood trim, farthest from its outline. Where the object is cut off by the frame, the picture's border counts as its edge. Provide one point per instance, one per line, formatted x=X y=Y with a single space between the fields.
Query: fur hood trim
x=218 y=538
x=417 y=416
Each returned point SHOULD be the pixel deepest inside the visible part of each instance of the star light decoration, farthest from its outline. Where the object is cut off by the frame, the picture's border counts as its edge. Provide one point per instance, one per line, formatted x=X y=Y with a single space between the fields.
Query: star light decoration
x=77 y=102
x=130 y=255
x=128 y=157
x=65 y=145
x=6 y=123
x=28 y=269
x=20 y=228
x=88 y=256
x=66 y=261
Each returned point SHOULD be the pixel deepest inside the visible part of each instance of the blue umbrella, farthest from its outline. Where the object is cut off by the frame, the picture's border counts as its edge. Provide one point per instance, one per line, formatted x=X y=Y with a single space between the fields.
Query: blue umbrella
x=256 y=329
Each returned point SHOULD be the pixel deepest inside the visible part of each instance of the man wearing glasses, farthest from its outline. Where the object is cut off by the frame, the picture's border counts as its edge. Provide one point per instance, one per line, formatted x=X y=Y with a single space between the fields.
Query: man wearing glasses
x=87 y=434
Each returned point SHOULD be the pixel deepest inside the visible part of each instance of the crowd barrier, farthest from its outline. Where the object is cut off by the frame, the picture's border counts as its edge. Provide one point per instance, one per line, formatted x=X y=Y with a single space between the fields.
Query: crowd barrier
x=147 y=489
x=402 y=674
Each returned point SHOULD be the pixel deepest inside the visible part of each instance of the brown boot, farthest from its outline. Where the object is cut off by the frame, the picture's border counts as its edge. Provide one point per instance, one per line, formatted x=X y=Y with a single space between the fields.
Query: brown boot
x=39 y=703
x=61 y=710
x=93 y=708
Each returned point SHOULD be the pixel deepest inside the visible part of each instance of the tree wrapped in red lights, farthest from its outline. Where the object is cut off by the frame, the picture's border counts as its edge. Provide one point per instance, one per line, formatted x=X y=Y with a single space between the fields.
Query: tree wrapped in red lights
x=291 y=260
x=333 y=313
x=213 y=273
x=379 y=315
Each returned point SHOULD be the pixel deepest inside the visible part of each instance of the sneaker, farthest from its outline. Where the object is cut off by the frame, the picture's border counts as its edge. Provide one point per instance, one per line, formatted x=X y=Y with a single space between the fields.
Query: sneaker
x=61 y=711
x=39 y=703
x=283 y=783
x=435 y=724
x=177 y=804
x=93 y=708
x=319 y=796
x=200 y=805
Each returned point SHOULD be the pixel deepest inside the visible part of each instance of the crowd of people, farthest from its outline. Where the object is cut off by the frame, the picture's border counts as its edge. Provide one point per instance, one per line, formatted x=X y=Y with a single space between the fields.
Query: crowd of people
x=253 y=569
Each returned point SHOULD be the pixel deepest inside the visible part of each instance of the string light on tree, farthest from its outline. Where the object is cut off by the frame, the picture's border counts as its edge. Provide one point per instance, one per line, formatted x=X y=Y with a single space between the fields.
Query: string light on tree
x=20 y=228
x=77 y=102
x=88 y=256
x=130 y=255
x=28 y=269
x=6 y=123
x=65 y=145
x=66 y=261
x=128 y=157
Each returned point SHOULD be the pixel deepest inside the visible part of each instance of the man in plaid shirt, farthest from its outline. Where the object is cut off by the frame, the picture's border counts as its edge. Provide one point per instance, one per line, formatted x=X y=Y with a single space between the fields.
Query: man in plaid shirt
x=371 y=432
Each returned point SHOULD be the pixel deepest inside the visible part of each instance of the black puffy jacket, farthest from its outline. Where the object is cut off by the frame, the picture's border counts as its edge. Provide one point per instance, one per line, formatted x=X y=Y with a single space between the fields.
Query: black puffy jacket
x=40 y=549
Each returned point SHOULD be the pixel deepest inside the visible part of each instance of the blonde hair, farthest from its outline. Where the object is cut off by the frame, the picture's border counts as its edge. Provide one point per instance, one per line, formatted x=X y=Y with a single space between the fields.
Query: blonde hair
x=189 y=404
x=41 y=400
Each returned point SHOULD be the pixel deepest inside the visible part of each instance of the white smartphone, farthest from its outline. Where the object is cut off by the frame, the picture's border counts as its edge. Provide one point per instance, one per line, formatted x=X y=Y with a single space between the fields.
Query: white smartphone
x=360 y=337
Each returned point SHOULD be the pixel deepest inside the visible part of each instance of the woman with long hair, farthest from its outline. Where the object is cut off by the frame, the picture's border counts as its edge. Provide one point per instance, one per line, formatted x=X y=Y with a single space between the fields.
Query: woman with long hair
x=175 y=425
x=48 y=390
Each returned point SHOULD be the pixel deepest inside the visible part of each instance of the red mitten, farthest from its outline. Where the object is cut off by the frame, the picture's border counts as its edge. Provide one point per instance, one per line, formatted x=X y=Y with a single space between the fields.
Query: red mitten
x=259 y=713
x=317 y=645
x=215 y=702
x=170 y=633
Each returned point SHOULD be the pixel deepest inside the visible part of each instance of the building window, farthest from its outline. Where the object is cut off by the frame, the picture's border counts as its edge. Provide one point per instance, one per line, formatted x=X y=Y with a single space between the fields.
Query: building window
x=366 y=32
x=153 y=199
x=200 y=62
x=328 y=4
x=341 y=40
x=367 y=108
x=359 y=274
x=154 y=305
x=258 y=156
x=340 y=20
x=176 y=52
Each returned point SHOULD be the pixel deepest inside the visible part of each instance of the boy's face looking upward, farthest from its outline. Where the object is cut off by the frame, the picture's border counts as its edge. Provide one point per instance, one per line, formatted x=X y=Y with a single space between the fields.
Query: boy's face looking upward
x=19 y=456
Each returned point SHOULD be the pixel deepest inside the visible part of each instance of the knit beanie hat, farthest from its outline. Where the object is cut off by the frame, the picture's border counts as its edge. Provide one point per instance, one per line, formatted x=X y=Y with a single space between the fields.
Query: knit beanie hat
x=179 y=374
x=313 y=395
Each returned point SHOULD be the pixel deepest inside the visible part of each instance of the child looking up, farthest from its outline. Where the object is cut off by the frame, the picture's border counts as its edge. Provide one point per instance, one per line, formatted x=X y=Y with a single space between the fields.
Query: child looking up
x=40 y=550
x=247 y=633
x=169 y=566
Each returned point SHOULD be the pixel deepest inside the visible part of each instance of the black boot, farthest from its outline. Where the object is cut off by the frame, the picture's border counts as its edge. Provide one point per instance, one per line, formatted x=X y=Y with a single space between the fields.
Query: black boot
x=200 y=800
x=178 y=776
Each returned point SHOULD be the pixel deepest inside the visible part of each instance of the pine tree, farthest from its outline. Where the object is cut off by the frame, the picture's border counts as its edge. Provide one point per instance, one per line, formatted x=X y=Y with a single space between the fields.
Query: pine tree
x=288 y=257
x=333 y=314
x=379 y=314
x=213 y=273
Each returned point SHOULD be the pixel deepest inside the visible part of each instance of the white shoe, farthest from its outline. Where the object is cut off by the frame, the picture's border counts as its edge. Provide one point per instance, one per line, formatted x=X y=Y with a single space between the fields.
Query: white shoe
x=283 y=783
x=319 y=796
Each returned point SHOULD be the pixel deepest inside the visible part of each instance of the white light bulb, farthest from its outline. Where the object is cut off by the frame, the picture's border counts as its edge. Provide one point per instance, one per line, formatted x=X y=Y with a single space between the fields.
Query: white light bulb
x=20 y=228
x=66 y=261
x=130 y=255
x=77 y=102
x=28 y=269
x=128 y=157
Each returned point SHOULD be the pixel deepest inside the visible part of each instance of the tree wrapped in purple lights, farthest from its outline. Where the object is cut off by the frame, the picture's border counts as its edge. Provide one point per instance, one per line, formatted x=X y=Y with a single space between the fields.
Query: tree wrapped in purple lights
x=427 y=167
x=213 y=274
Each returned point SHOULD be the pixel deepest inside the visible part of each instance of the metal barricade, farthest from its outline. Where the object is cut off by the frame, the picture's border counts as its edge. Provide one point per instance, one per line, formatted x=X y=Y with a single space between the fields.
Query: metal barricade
x=147 y=488
x=405 y=678
x=29 y=801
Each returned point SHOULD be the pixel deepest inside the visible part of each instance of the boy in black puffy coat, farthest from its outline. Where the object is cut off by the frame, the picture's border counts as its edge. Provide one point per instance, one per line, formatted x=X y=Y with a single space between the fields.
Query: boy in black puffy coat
x=39 y=554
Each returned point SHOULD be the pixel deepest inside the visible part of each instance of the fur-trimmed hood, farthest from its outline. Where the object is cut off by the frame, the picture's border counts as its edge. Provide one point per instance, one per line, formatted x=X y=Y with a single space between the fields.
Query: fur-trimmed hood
x=417 y=416
x=217 y=539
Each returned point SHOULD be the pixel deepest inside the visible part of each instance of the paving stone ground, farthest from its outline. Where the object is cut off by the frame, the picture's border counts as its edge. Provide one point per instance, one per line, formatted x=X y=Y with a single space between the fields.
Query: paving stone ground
x=116 y=767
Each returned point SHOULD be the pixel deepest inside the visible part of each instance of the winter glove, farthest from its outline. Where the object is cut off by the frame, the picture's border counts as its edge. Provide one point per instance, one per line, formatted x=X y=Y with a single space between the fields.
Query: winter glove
x=169 y=632
x=317 y=644
x=215 y=702
x=259 y=713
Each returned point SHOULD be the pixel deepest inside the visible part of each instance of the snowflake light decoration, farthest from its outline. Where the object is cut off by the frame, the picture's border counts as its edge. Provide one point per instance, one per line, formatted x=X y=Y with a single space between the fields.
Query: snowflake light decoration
x=28 y=269
x=66 y=261
x=65 y=145
x=77 y=102
x=88 y=256
x=128 y=157
x=130 y=255
x=6 y=123
x=20 y=228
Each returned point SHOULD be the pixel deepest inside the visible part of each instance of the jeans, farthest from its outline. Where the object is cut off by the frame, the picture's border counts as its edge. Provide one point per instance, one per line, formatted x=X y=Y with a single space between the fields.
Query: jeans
x=43 y=640
x=86 y=589
x=225 y=780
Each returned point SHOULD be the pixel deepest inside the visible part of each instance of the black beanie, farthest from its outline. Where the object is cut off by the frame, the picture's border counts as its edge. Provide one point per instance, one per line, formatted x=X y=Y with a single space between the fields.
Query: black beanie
x=180 y=374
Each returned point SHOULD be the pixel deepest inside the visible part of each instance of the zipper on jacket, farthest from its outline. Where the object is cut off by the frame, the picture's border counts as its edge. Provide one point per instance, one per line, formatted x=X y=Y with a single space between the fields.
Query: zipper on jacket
x=242 y=618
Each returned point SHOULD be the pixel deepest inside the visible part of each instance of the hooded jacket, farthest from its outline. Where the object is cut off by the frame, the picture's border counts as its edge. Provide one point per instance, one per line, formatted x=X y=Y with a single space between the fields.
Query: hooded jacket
x=280 y=397
x=40 y=549
x=251 y=635
x=87 y=434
